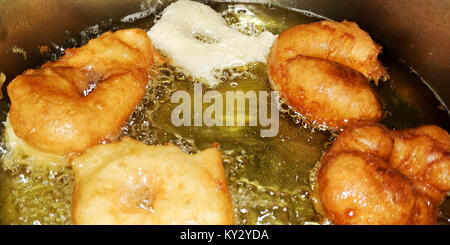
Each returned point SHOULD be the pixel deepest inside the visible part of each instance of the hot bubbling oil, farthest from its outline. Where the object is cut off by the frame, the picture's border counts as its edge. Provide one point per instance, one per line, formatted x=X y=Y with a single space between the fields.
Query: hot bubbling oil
x=269 y=178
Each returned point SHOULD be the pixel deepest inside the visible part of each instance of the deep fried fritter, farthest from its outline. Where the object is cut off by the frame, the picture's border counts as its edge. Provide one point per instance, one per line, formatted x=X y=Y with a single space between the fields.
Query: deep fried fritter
x=132 y=183
x=358 y=188
x=370 y=168
x=373 y=139
x=330 y=94
x=343 y=42
x=322 y=70
x=19 y=149
x=423 y=154
x=425 y=211
x=84 y=97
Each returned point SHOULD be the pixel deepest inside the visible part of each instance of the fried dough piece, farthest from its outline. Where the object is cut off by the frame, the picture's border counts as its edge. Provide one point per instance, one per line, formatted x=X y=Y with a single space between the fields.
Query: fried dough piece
x=132 y=183
x=330 y=94
x=343 y=42
x=425 y=211
x=360 y=175
x=86 y=96
x=358 y=188
x=323 y=69
x=423 y=154
x=19 y=149
x=374 y=139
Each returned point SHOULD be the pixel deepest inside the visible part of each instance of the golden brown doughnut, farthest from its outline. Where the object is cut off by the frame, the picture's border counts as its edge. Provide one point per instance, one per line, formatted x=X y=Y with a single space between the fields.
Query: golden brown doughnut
x=384 y=177
x=342 y=42
x=84 y=97
x=358 y=188
x=322 y=70
x=330 y=94
x=423 y=155
x=129 y=182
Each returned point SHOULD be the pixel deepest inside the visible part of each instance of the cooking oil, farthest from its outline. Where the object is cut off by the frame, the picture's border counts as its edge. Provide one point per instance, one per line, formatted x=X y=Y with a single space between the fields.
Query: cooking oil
x=269 y=178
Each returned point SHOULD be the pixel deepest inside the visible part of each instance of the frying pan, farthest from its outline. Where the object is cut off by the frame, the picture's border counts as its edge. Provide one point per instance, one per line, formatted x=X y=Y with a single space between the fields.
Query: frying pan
x=414 y=32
